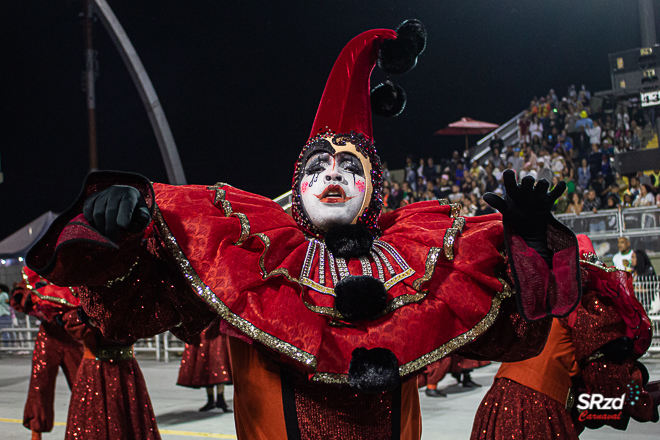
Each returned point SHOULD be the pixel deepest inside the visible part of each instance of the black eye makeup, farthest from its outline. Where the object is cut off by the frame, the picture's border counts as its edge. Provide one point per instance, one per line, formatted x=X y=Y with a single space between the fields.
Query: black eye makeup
x=350 y=163
x=318 y=163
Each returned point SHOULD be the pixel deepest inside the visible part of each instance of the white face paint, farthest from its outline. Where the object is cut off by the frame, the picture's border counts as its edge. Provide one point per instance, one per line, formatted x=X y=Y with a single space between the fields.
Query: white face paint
x=332 y=189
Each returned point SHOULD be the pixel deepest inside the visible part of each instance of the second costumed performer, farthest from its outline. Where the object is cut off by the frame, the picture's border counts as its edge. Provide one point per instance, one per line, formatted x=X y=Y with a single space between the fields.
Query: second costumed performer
x=335 y=310
x=206 y=364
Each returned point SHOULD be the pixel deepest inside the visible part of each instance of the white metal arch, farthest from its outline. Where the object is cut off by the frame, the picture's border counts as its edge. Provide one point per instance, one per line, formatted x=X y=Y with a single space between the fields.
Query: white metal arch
x=146 y=90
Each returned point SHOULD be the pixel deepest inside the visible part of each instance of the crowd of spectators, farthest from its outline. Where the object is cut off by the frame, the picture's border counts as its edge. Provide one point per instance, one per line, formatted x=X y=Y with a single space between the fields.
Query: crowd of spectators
x=558 y=139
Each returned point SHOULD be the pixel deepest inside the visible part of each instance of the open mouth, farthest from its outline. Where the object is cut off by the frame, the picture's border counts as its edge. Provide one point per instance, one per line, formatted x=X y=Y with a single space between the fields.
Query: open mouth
x=333 y=194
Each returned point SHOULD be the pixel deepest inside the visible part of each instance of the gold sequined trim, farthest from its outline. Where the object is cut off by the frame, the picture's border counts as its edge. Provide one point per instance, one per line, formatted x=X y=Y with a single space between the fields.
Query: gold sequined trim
x=46 y=297
x=245 y=228
x=460 y=340
x=402 y=276
x=392 y=305
x=431 y=260
x=332 y=378
x=123 y=277
x=53 y=299
x=454 y=208
x=448 y=242
x=595 y=356
x=606 y=269
x=114 y=353
x=221 y=308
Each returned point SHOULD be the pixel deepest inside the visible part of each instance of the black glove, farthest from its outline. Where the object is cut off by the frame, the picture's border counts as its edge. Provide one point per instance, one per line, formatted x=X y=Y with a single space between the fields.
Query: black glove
x=526 y=208
x=117 y=207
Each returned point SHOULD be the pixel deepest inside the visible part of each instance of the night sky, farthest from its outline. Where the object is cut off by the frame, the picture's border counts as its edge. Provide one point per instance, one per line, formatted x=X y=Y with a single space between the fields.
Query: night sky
x=240 y=82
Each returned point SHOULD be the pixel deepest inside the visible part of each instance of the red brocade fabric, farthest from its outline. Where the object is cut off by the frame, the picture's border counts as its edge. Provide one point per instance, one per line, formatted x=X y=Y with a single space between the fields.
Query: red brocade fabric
x=206 y=362
x=53 y=349
x=516 y=412
x=109 y=402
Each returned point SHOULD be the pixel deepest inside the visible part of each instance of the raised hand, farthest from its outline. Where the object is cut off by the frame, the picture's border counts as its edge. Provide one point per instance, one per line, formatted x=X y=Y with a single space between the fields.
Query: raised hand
x=526 y=208
x=119 y=206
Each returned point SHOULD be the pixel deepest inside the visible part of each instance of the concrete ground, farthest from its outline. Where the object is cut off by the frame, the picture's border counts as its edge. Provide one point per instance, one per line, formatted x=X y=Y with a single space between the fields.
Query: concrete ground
x=178 y=418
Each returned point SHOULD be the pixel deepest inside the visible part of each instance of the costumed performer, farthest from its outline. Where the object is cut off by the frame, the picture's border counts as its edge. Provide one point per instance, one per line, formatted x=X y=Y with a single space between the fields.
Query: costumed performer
x=109 y=398
x=54 y=348
x=459 y=367
x=335 y=310
x=592 y=351
x=205 y=363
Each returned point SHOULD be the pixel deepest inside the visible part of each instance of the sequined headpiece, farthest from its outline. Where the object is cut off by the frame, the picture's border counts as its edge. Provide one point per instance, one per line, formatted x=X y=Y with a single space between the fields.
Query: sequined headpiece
x=343 y=119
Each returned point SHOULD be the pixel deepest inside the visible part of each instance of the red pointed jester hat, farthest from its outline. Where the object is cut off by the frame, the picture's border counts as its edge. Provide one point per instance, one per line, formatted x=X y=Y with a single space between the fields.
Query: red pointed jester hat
x=343 y=119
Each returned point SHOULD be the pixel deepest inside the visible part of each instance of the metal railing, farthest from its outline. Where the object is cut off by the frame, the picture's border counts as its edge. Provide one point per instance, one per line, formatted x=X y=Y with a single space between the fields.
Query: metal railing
x=647 y=291
x=20 y=336
x=640 y=225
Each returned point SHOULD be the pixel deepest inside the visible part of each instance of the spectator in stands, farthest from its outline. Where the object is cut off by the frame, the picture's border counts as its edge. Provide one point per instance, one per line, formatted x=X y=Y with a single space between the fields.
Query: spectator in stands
x=655 y=181
x=523 y=128
x=641 y=264
x=584 y=121
x=386 y=173
x=408 y=194
x=443 y=187
x=557 y=163
x=592 y=203
x=562 y=203
x=606 y=169
x=386 y=196
x=421 y=183
x=456 y=195
x=491 y=183
x=633 y=186
x=581 y=143
x=459 y=173
x=570 y=119
x=612 y=202
x=598 y=185
x=638 y=117
x=627 y=199
x=496 y=142
x=495 y=159
x=622 y=119
x=595 y=160
x=622 y=259
x=483 y=208
x=536 y=128
x=411 y=172
x=545 y=165
x=395 y=196
x=420 y=168
x=527 y=170
x=430 y=172
x=594 y=133
x=531 y=157
x=614 y=192
x=645 y=197
x=575 y=206
x=420 y=192
x=477 y=170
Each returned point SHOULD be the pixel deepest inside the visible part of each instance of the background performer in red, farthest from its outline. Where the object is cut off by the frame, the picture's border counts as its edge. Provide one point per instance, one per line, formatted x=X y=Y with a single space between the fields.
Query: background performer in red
x=206 y=363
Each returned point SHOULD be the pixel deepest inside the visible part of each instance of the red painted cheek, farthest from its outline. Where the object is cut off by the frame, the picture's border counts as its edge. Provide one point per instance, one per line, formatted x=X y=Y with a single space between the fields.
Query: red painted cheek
x=360 y=184
x=304 y=187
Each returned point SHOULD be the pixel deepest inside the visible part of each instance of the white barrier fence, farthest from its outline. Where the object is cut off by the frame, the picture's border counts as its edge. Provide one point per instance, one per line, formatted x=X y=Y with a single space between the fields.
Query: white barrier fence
x=647 y=291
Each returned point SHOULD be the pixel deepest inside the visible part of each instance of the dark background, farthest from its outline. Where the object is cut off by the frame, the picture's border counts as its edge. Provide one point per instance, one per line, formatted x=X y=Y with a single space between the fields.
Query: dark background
x=240 y=82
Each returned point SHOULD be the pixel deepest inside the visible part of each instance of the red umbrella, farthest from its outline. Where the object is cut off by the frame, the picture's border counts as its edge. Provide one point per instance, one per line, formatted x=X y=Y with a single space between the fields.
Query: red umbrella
x=466 y=127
